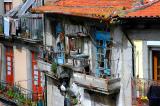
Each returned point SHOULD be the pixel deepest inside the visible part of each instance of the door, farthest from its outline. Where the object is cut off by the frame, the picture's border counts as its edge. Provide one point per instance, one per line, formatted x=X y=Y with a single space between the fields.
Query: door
x=9 y=65
x=156 y=65
x=36 y=79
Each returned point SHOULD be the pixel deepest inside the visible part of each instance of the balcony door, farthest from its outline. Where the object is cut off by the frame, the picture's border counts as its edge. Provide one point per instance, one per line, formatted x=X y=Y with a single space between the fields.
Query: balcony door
x=156 y=65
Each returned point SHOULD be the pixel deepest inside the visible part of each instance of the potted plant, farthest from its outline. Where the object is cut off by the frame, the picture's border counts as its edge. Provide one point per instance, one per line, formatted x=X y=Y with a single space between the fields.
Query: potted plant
x=10 y=93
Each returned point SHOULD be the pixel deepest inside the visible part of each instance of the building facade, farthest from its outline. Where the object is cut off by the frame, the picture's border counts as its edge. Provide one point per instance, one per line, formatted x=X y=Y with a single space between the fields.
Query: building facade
x=93 y=57
x=20 y=36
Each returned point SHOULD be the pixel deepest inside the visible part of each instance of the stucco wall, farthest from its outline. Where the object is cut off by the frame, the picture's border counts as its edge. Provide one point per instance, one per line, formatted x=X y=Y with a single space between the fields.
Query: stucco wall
x=138 y=58
x=3 y=61
x=122 y=65
x=16 y=3
x=54 y=98
x=144 y=35
x=20 y=66
x=48 y=39
x=29 y=69
x=1 y=7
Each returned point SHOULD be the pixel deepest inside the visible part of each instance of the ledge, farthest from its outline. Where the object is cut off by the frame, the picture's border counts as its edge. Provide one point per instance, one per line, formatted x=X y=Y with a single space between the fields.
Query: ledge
x=106 y=86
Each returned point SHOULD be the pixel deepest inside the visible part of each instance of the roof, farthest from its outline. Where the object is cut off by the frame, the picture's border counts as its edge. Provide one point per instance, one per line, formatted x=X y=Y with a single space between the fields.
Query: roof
x=151 y=10
x=85 y=8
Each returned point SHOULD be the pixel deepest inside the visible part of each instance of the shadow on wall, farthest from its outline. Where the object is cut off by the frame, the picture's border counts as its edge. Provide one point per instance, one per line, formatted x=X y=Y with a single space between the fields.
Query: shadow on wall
x=98 y=99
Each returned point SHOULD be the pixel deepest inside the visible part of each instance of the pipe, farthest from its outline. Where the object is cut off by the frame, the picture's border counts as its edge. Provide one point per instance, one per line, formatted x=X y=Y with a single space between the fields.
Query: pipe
x=45 y=89
x=126 y=35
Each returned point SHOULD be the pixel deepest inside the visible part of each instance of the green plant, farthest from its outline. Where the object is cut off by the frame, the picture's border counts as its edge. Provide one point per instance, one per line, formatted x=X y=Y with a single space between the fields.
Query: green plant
x=74 y=101
x=1 y=29
x=2 y=87
x=54 y=67
x=10 y=93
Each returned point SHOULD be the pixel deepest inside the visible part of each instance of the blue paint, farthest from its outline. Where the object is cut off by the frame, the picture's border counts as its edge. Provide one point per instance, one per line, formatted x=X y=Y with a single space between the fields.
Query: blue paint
x=60 y=47
x=58 y=28
x=60 y=57
x=103 y=37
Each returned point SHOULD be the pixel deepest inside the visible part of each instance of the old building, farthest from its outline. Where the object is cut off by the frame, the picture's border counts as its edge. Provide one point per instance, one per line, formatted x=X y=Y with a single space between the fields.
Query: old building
x=93 y=56
x=142 y=27
x=20 y=36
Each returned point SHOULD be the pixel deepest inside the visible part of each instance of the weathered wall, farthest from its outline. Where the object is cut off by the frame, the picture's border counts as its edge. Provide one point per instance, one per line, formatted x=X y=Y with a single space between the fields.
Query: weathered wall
x=20 y=66
x=16 y=3
x=122 y=64
x=29 y=69
x=1 y=7
x=144 y=35
x=92 y=98
x=48 y=39
x=54 y=98
x=3 y=61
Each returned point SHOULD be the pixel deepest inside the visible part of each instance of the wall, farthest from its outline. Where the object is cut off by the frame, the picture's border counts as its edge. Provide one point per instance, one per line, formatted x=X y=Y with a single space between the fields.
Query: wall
x=144 y=35
x=54 y=98
x=20 y=66
x=29 y=69
x=3 y=61
x=16 y=3
x=88 y=98
x=48 y=39
x=1 y=7
x=122 y=65
x=138 y=58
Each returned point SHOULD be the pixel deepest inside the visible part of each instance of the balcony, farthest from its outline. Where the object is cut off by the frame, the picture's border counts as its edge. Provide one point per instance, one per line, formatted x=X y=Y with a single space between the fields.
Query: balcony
x=79 y=66
x=30 y=30
x=16 y=95
x=101 y=85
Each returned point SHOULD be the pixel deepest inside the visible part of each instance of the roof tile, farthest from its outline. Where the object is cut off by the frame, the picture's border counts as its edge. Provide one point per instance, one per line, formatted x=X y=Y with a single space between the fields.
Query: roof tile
x=152 y=10
x=86 y=8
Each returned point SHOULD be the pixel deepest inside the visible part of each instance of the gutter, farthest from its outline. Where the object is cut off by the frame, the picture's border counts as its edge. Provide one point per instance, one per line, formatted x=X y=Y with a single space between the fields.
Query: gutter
x=126 y=35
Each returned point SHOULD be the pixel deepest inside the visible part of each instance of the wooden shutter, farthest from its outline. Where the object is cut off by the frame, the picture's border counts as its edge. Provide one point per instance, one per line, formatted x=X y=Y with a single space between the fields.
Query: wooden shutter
x=9 y=65
x=36 y=79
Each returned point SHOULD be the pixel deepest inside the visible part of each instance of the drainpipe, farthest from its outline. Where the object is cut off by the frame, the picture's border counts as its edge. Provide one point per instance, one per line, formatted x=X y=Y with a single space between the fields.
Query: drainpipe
x=42 y=2
x=45 y=89
x=44 y=21
x=126 y=35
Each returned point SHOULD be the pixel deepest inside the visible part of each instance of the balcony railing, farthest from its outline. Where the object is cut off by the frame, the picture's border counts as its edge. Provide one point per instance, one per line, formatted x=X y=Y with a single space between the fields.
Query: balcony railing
x=140 y=90
x=18 y=95
x=75 y=62
x=30 y=28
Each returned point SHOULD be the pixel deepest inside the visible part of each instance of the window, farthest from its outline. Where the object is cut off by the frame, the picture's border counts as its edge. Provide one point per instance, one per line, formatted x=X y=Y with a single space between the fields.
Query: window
x=75 y=44
x=7 y=6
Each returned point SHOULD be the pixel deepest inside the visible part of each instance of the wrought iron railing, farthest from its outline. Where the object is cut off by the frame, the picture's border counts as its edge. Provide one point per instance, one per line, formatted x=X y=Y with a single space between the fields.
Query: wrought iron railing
x=19 y=95
x=140 y=88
